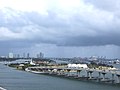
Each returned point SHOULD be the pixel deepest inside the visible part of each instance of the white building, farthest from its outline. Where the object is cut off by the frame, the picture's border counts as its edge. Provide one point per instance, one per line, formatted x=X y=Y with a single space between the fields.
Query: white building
x=11 y=55
x=77 y=66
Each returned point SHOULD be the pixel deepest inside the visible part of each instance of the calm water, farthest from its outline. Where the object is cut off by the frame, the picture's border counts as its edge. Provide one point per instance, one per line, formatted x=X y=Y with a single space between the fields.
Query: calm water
x=12 y=79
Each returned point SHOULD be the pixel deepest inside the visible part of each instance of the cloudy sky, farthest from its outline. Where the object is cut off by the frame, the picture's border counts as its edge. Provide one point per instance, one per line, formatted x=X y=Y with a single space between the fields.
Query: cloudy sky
x=60 y=28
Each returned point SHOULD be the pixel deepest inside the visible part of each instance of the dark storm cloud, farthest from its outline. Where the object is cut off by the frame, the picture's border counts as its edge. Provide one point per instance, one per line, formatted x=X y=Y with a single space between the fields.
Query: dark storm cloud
x=85 y=25
x=93 y=41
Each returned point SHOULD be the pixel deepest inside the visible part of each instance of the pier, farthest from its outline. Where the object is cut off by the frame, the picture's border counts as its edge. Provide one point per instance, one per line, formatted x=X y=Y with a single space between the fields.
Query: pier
x=75 y=73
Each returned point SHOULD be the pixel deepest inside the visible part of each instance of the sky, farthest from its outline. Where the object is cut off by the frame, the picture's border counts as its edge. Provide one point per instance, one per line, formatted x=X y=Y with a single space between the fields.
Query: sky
x=60 y=28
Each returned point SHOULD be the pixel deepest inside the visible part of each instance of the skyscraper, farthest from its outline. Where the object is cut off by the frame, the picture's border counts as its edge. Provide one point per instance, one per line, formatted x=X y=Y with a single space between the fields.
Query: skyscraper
x=23 y=55
x=28 y=55
x=40 y=55
x=11 y=55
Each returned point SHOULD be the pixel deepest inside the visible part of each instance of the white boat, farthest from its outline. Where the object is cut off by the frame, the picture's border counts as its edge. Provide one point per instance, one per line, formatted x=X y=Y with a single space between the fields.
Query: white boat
x=36 y=72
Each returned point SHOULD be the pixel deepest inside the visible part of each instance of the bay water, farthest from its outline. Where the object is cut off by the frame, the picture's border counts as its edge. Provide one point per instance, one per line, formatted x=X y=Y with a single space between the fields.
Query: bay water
x=12 y=79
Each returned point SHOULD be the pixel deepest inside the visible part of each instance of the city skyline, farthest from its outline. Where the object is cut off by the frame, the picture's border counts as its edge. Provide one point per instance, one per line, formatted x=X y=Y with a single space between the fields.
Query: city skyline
x=43 y=55
x=60 y=28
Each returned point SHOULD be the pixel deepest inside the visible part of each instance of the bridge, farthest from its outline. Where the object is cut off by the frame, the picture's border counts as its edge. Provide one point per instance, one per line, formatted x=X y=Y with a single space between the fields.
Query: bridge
x=75 y=73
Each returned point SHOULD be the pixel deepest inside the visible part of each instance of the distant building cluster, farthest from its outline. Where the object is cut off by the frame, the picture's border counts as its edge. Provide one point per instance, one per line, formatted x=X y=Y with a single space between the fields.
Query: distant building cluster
x=74 y=60
x=24 y=55
x=40 y=55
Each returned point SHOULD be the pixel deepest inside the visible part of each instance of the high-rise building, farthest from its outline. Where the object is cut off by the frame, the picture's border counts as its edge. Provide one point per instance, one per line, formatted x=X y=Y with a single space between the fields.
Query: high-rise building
x=11 y=55
x=18 y=55
x=40 y=55
x=28 y=55
x=23 y=55
x=37 y=55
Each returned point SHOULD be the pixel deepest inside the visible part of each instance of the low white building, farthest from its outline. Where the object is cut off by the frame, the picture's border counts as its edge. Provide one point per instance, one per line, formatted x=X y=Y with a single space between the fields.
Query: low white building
x=77 y=66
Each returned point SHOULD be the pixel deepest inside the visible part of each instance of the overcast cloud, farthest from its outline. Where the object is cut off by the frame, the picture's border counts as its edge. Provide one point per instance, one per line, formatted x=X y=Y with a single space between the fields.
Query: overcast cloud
x=63 y=23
